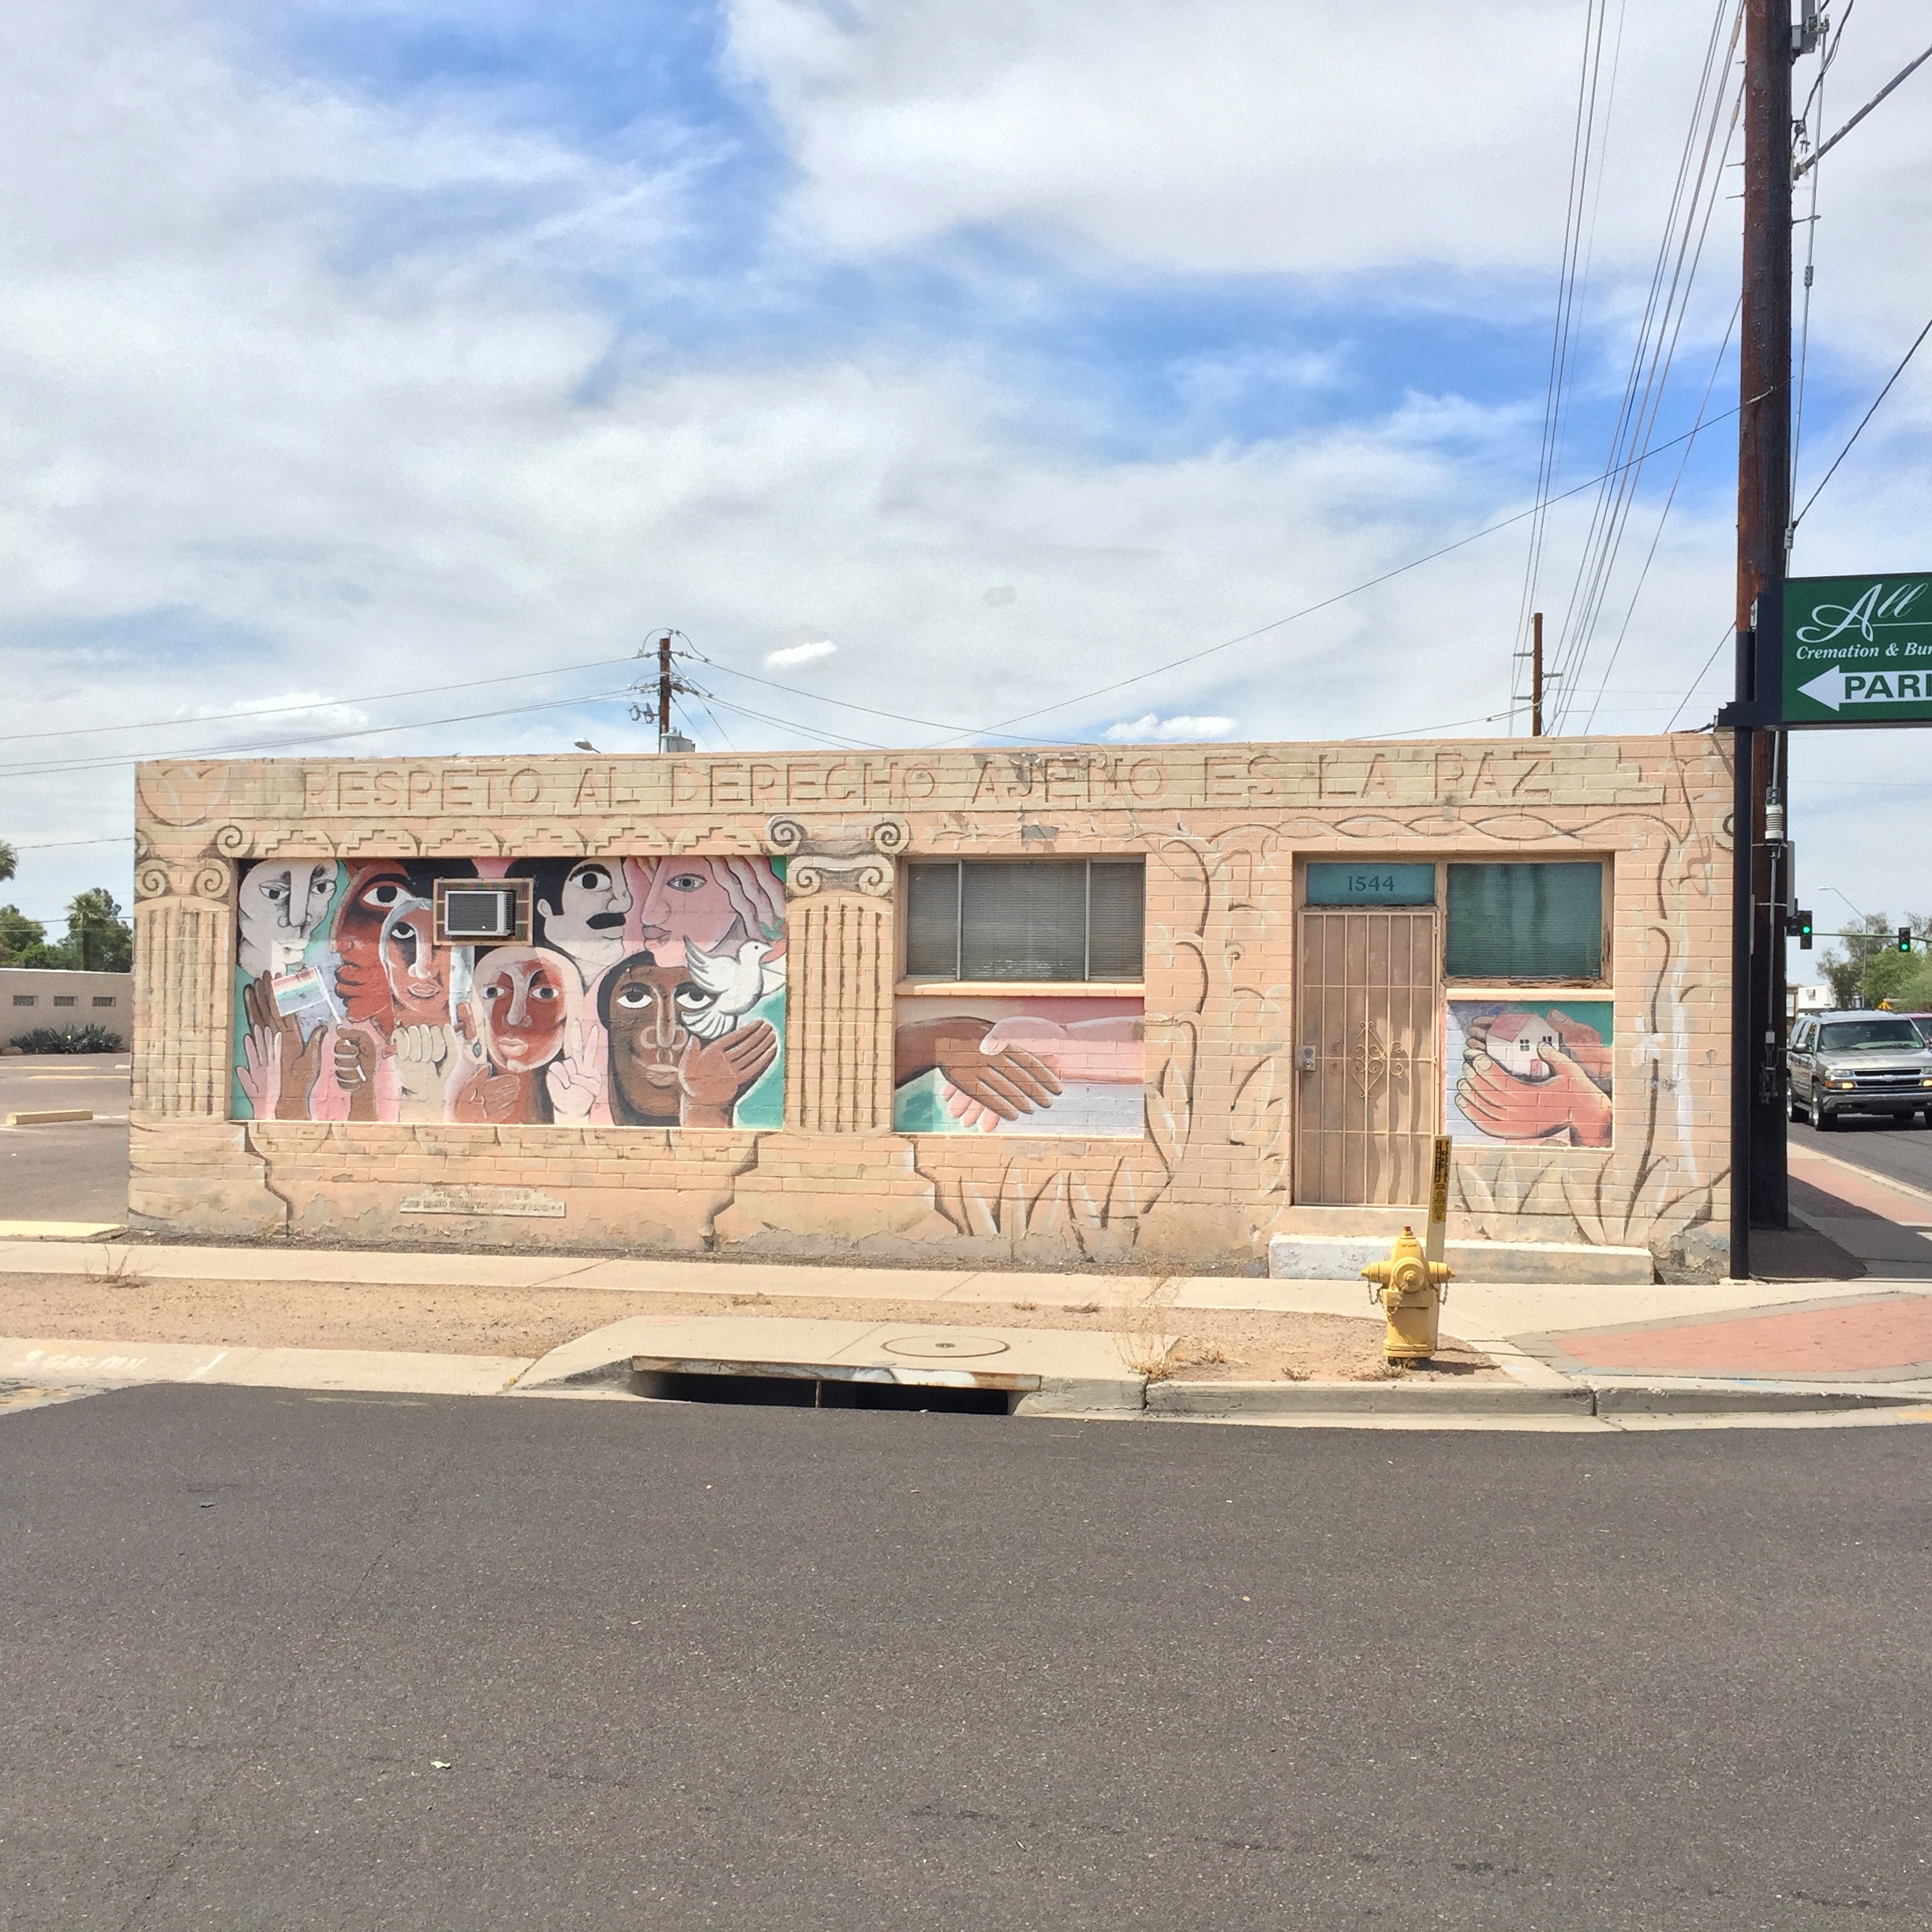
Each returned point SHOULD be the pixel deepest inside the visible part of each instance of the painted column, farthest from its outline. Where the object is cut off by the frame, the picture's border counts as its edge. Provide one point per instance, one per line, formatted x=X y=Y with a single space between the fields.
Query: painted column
x=842 y=957
x=183 y=988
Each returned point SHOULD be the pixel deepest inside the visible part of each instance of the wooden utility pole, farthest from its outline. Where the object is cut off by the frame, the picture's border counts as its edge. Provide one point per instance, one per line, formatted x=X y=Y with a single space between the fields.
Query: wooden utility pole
x=664 y=689
x=1759 y=1192
x=1535 y=675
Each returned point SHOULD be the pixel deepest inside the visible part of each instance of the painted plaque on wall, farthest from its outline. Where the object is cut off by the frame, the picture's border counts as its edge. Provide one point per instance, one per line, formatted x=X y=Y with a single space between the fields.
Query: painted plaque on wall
x=650 y=993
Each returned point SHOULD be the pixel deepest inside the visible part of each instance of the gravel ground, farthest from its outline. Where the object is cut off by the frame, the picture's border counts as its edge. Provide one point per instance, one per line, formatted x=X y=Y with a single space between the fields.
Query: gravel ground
x=1211 y=1343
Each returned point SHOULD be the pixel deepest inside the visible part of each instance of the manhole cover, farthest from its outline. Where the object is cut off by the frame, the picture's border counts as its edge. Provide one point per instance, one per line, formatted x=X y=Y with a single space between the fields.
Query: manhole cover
x=944 y=1348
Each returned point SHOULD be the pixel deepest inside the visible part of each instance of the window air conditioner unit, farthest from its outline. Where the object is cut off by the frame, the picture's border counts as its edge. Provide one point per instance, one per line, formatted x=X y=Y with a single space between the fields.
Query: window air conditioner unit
x=471 y=914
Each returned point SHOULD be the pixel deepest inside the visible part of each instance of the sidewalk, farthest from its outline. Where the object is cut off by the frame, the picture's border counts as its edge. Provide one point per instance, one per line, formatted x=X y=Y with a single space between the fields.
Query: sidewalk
x=1569 y=1355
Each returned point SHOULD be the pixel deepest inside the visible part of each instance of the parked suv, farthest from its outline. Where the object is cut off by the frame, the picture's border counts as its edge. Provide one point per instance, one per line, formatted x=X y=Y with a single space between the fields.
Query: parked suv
x=1859 y=1063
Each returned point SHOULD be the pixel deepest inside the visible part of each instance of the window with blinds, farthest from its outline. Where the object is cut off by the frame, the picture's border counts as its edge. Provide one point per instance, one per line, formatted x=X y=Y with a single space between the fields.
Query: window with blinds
x=1525 y=921
x=1025 y=919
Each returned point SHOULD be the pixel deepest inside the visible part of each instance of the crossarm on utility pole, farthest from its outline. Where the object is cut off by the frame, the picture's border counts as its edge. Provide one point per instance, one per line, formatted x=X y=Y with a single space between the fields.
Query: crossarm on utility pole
x=1819 y=153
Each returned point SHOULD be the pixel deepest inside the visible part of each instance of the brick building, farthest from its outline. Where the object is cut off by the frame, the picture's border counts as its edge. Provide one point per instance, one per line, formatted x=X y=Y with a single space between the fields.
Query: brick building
x=949 y=1005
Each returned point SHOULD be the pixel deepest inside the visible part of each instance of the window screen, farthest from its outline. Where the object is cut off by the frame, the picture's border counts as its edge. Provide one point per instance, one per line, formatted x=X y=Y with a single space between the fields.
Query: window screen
x=1525 y=921
x=1116 y=919
x=932 y=921
x=1026 y=918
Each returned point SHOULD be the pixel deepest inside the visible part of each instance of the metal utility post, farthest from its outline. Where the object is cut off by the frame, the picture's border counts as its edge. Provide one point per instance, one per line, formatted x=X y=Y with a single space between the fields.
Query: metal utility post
x=664 y=689
x=1759 y=1192
x=1536 y=675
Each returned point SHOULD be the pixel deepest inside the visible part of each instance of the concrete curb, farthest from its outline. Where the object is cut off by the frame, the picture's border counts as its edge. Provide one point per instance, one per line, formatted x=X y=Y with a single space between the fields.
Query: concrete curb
x=87 y=1366
x=1576 y=1400
x=1343 y=1399
x=1615 y=1398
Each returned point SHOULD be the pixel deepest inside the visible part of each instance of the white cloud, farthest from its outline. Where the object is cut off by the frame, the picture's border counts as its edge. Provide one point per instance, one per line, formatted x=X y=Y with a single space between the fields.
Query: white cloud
x=1225 y=135
x=242 y=459
x=809 y=651
x=1153 y=730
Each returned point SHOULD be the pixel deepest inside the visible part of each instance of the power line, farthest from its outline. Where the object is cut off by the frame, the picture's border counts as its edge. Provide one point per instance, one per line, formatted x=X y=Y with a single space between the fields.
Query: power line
x=1802 y=126
x=123 y=838
x=1726 y=632
x=1555 y=404
x=1308 y=610
x=363 y=730
x=319 y=704
x=1862 y=420
x=1657 y=535
x=1673 y=276
x=1825 y=148
x=845 y=704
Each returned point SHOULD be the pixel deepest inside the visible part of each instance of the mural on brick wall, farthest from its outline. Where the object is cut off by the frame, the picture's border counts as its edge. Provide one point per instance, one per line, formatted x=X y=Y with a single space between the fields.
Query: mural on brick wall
x=650 y=994
x=1520 y=1071
x=1037 y=1064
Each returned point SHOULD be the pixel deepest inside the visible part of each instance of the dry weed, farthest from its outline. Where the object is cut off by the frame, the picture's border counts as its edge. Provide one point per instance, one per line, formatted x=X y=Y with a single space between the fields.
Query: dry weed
x=1141 y=1333
x=1191 y=1353
x=118 y=1268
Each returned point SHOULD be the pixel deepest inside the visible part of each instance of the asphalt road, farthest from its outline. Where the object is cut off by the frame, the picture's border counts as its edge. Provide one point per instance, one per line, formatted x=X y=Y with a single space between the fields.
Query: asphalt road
x=72 y=1173
x=1901 y=1153
x=280 y=1660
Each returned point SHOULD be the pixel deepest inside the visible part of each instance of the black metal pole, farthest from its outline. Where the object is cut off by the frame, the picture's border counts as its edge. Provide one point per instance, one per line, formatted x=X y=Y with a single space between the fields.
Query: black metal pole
x=1758 y=1119
x=1744 y=798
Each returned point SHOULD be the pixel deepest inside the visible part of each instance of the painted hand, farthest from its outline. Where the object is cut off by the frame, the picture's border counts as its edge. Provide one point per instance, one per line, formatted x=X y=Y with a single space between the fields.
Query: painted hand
x=423 y=1056
x=1567 y=1106
x=574 y=1090
x=260 y=1071
x=499 y=1098
x=715 y=1074
x=355 y=1071
x=1008 y=1082
x=301 y=1060
x=1585 y=1045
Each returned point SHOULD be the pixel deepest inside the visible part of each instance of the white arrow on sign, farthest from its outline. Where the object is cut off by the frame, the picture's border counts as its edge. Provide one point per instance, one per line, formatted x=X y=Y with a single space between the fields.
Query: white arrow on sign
x=1827 y=690
x=1836 y=688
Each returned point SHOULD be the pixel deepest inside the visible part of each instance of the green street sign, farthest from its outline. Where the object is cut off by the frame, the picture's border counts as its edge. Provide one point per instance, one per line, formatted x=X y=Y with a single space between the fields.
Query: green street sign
x=1857 y=650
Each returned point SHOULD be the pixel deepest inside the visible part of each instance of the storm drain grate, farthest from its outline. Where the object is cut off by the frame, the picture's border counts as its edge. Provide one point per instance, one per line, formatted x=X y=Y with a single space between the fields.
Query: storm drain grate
x=798 y=1389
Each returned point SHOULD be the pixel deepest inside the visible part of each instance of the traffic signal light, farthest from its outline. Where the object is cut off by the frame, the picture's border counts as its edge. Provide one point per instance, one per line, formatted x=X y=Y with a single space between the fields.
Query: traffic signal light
x=1905 y=938
x=1801 y=925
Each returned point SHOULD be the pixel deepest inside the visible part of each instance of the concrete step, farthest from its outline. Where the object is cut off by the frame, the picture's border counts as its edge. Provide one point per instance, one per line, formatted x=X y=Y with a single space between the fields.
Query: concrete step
x=1336 y=1257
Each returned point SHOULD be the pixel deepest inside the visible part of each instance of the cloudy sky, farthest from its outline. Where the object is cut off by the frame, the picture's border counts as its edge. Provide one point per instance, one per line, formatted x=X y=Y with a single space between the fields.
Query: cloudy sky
x=953 y=361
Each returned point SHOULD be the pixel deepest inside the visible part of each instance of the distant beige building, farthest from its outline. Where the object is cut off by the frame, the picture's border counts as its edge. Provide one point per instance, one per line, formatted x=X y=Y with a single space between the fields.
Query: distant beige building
x=953 y=1005
x=35 y=996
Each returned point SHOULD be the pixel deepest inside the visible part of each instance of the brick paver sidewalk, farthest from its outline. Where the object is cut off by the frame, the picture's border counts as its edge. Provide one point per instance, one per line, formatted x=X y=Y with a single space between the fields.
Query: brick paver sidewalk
x=1886 y=1336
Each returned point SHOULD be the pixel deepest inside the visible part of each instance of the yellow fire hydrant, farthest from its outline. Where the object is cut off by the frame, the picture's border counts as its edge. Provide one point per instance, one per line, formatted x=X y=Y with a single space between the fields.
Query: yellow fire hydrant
x=1410 y=1287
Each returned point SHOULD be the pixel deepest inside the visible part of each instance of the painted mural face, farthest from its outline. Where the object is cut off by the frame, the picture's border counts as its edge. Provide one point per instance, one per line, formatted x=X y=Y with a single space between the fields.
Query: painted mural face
x=710 y=905
x=585 y=1028
x=281 y=906
x=520 y=998
x=416 y=969
x=589 y=921
x=361 y=984
x=650 y=1008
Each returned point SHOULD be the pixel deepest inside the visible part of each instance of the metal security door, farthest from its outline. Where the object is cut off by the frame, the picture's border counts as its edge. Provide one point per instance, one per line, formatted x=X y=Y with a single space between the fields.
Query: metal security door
x=1368 y=985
